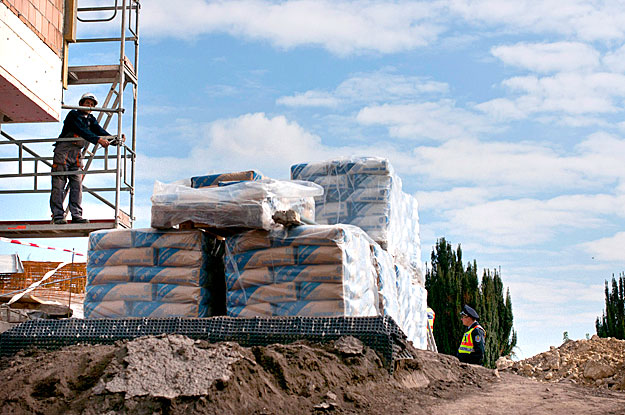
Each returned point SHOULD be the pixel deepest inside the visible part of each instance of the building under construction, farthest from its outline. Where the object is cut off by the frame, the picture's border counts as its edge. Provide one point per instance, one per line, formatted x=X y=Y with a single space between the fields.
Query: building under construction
x=229 y=256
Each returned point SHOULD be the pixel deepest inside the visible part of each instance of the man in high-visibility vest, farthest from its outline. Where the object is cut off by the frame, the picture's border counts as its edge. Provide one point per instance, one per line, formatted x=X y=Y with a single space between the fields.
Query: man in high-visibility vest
x=471 y=349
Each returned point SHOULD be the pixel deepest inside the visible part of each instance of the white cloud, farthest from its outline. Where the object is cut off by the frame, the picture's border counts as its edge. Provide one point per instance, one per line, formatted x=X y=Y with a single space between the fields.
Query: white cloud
x=441 y=120
x=615 y=60
x=371 y=87
x=523 y=222
x=457 y=196
x=563 y=93
x=549 y=57
x=607 y=249
x=522 y=166
x=255 y=141
x=387 y=86
x=601 y=156
x=517 y=222
x=343 y=27
x=575 y=121
x=241 y=143
x=218 y=91
x=540 y=293
x=346 y=27
x=502 y=109
x=309 y=99
x=581 y=19
x=252 y=137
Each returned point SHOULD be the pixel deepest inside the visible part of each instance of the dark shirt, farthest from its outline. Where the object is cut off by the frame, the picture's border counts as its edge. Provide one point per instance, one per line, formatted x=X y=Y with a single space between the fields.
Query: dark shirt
x=477 y=356
x=81 y=124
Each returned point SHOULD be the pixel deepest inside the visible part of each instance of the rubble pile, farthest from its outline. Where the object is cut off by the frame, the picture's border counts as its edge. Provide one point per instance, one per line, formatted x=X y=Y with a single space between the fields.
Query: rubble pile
x=596 y=362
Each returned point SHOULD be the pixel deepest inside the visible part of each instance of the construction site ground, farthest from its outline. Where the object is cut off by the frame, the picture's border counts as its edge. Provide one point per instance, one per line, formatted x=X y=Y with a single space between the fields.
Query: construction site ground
x=172 y=374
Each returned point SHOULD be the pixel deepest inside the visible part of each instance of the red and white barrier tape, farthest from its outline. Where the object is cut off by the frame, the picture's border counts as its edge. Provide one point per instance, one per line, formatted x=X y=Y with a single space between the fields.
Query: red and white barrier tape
x=15 y=241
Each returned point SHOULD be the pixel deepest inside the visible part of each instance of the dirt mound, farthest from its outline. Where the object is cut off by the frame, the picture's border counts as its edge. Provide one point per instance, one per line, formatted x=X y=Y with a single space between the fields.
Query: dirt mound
x=596 y=362
x=174 y=374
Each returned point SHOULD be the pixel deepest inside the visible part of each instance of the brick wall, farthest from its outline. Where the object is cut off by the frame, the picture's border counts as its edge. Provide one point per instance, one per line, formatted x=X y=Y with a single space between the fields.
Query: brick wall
x=43 y=17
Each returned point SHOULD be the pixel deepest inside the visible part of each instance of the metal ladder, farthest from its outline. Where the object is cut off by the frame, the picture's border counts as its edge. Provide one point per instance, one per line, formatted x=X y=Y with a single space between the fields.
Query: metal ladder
x=119 y=76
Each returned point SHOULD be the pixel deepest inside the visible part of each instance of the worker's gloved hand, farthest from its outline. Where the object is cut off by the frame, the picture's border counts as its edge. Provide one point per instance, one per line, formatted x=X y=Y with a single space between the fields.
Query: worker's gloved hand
x=104 y=143
x=116 y=141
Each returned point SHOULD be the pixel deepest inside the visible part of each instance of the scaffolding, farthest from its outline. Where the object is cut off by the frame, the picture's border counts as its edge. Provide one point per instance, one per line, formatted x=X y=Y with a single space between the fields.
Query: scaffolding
x=117 y=159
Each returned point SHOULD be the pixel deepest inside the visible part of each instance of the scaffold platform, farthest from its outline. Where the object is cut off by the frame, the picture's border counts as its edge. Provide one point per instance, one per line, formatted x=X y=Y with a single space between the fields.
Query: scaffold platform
x=45 y=229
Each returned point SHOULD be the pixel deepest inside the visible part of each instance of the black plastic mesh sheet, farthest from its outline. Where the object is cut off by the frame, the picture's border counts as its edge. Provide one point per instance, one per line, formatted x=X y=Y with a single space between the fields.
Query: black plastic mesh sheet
x=379 y=333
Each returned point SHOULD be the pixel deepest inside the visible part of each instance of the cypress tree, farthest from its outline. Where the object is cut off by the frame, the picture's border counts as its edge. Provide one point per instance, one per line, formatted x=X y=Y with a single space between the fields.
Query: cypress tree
x=509 y=343
x=496 y=318
x=450 y=286
x=612 y=321
x=444 y=283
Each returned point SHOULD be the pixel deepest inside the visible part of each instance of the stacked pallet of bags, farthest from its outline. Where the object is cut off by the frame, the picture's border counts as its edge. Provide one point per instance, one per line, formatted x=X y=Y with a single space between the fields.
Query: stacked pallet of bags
x=232 y=200
x=152 y=273
x=302 y=271
x=367 y=193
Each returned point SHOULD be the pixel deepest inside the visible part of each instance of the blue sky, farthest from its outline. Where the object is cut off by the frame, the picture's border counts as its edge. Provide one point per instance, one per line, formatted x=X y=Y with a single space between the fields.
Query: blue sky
x=504 y=119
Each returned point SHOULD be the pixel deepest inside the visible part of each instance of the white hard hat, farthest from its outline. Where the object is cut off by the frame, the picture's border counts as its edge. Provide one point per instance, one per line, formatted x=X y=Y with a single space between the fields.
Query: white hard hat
x=88 y=95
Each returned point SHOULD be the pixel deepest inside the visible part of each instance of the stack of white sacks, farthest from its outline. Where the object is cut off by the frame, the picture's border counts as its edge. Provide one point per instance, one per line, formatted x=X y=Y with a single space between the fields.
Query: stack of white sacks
x=244 y=203
x=303 y=271
x=362 y=260
x=148 y=273
x=367 y=193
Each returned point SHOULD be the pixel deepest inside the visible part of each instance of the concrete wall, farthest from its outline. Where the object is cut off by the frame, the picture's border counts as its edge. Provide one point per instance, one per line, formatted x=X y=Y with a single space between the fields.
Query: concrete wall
x=30 y=60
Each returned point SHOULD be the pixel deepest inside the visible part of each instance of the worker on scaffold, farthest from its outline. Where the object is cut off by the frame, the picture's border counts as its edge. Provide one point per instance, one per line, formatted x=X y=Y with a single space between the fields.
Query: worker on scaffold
x=82 y=125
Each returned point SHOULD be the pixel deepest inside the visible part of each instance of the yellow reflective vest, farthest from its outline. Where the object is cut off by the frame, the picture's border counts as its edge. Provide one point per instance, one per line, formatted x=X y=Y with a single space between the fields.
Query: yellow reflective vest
x=431 y=316
x=467 y=340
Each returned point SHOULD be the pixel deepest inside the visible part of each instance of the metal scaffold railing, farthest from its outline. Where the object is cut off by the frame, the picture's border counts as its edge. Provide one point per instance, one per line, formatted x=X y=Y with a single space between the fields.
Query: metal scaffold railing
x=117 y=161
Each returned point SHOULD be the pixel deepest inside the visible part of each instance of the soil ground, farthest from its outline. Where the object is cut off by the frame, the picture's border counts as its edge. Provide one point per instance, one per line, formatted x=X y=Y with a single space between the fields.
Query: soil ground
x=173 y=375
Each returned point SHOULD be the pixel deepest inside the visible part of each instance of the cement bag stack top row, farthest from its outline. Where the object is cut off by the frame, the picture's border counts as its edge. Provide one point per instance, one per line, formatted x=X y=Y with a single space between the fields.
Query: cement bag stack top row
x=151 y=273
x=306 y=270
x=231 y=200
x=366 y=192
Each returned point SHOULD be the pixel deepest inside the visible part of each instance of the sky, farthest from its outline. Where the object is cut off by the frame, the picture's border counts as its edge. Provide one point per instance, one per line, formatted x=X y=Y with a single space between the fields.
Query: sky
x=504 y=119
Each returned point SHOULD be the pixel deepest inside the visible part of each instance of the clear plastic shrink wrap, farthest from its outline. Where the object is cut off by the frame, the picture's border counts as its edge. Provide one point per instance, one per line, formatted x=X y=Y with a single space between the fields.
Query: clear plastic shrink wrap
x=366 y=192
x=243 y=204
x=302 y=271
x=387 y=286
x=152 y=273
x=412 y=299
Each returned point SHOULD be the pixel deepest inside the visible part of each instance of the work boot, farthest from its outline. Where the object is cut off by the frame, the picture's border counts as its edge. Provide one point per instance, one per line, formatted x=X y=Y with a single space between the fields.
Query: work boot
x=80 y=220
x=59 y=221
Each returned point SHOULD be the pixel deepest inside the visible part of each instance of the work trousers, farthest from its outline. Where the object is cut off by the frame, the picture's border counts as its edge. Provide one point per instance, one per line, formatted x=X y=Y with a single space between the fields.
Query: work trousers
x=67 y=157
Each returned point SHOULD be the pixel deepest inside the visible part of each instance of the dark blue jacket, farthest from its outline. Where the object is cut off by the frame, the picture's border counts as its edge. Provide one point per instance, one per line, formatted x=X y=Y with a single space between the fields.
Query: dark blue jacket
x=83 y=125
